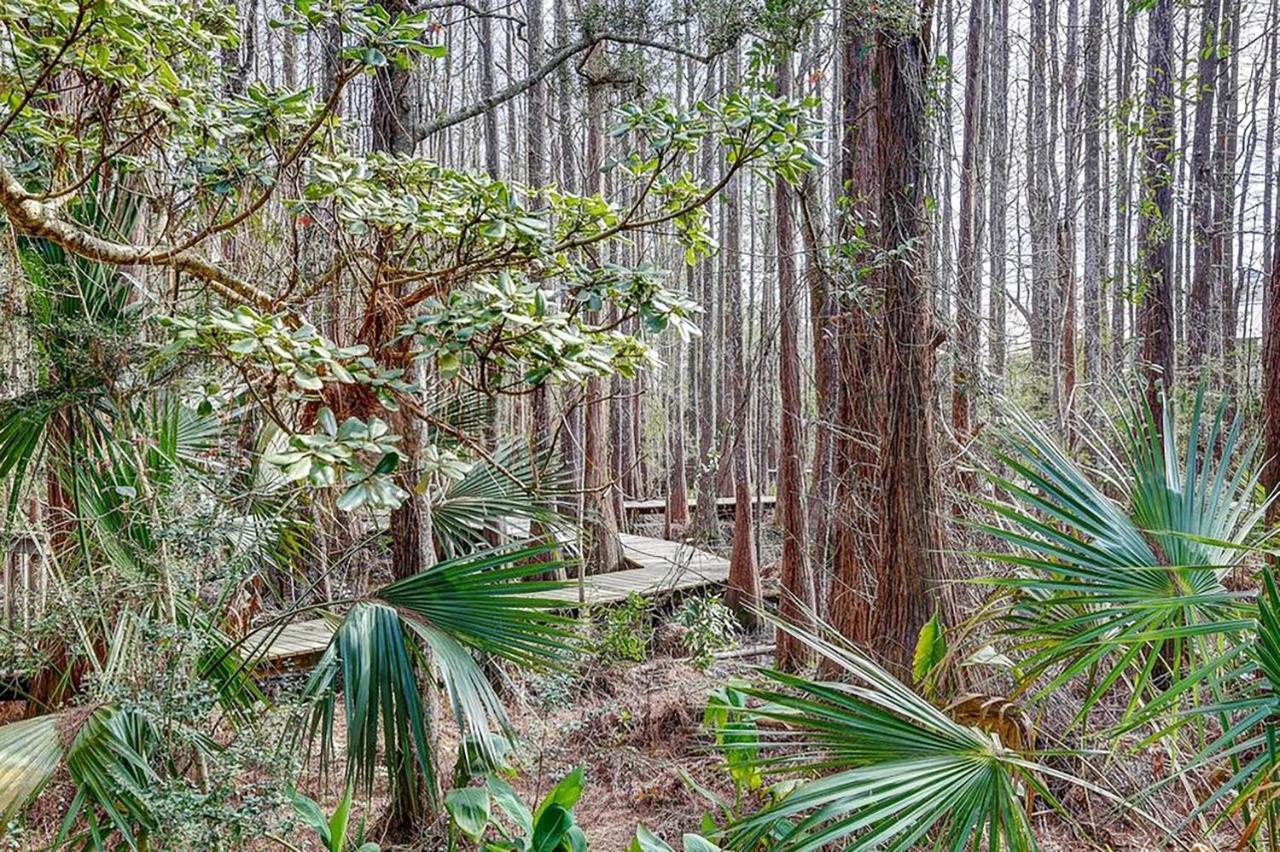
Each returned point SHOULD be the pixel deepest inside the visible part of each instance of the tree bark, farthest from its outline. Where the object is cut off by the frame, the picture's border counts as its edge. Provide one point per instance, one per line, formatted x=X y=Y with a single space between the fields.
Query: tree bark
x=909 y=561
x=1271 y=383
x=996 y=351
x=857 y=386
x=743 y=588
x=1093 y=207
x=605 y=553
x=797 y=603
x=1199 y=298
x=964 y=374
x=1155 y=319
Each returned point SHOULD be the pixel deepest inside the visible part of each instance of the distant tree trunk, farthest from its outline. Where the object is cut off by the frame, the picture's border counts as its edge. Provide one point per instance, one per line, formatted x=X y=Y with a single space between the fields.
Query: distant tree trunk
x=743 y=588
x=602 y=522
x=393 y=118
x=1093 y=225
x=1224 y=207
x=1067 y=295
x=705 y=520
x=797 y=603
x=1155 y=320
x=1271 y=383
x=1066 y=230
x=964 y=373
x=999 y=199
x=537 y=169
x=1200 y=297
x=909 y=562
x=1120 y=275
x=1038 y=201
x=677 y=515
x=289 y=58
x=487 y=70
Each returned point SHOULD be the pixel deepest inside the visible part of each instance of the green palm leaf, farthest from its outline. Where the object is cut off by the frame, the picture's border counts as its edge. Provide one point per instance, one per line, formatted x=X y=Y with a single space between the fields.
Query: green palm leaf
x=1130 y=584
x=30 y=752
x=894 y=771
x=508 y=489
x=454 y=608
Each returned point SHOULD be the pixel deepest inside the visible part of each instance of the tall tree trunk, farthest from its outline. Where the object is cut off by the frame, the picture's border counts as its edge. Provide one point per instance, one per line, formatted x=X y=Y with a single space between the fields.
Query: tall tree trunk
x=743 y=593
x=1200 y=296
x=999 y=54
x=1224 y=212
x=605 y=552
x=964 y=373
x=1120 y=279
x=1066 y=230
x=857 y=386
x=705 y=519
x=909 y=561
x=487 y=73
x=1093 y=207
x=1271 y=383
x=1155 y=319
x=797 y=601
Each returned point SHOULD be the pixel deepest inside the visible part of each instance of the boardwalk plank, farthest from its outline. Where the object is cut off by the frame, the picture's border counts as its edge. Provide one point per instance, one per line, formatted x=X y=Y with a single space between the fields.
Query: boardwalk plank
x=661 y=567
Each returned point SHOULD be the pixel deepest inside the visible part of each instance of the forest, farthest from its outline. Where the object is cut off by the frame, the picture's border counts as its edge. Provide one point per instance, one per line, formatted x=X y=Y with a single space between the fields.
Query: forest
x=551 y=425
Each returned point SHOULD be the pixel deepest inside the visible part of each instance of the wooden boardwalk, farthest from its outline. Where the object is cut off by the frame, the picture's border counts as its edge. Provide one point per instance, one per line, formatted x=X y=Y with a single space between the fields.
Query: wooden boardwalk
x=660 y=567
x=724 y=505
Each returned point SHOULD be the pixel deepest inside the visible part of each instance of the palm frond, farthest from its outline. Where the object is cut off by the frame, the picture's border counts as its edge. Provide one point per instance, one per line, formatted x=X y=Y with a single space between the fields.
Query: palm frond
x=31 y=751
x=454 y=608
x=1127 y=584
x=476 y=601
x=502 y=494
x=893 y=769
x=371 y=661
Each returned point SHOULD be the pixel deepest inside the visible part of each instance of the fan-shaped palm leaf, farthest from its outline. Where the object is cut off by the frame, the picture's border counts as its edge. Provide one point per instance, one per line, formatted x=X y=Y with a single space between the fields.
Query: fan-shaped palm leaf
x=104 y=751
x=1125 y=585
x=895 y=771
x=453 y=608
x=500 y=494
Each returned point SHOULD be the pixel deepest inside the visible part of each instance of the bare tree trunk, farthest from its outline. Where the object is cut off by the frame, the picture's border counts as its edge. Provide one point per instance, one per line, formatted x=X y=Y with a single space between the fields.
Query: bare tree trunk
x=1155 y=320
x=1271 y=383
x=1228 y=144
x=797 y=603
x=1120 y=274
x=487 y=89
x=602 y=523
x=857 y=386
x=1094 y=251
x=964 y=373
x=999 y=54
x=1199 y=298
x=705 y=520
x=743 y=593
x=909 y=562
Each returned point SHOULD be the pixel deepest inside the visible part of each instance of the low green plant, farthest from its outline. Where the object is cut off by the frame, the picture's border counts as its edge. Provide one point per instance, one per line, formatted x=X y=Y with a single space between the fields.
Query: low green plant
x=626 y=632
x=331 y=830
x=646 y=841
x=551 y=827
x=711 y=627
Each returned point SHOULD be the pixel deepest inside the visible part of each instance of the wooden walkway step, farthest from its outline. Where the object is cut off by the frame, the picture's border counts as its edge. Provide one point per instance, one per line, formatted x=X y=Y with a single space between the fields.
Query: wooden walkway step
x=661 y=567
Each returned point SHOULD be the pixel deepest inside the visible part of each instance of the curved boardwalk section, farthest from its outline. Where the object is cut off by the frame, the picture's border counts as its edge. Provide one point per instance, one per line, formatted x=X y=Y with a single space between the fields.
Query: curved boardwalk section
x=659 y=567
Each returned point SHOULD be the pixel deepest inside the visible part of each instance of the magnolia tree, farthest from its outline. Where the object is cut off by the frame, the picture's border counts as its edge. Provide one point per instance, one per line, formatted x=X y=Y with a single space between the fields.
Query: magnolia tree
x=177 y=232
